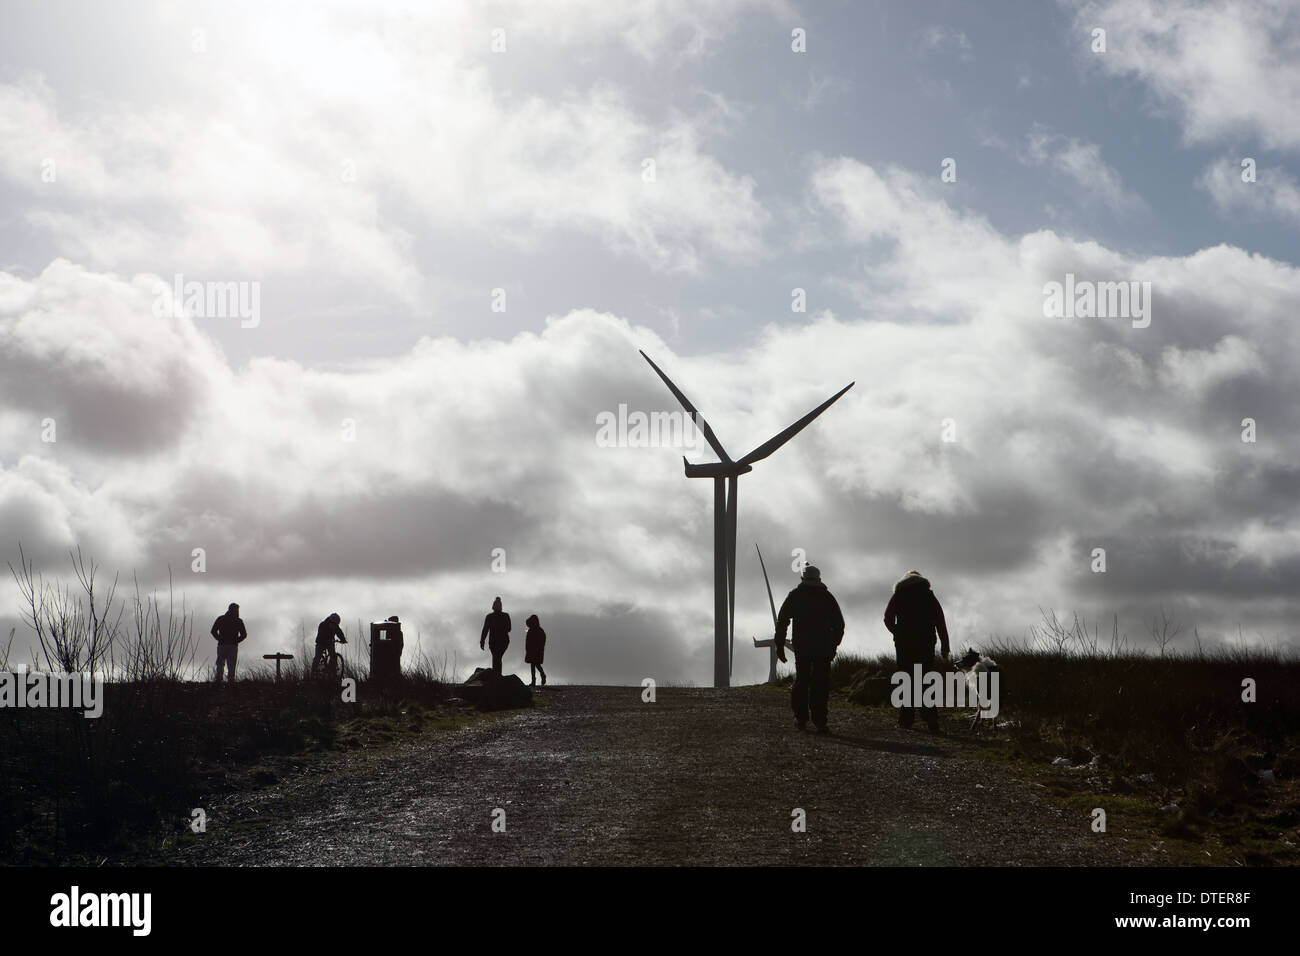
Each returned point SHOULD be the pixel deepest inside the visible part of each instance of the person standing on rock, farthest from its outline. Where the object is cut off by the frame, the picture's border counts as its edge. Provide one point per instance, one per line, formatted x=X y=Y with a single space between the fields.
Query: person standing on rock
x=818 y=630
x=229 y=631
x=535 y=648
x=496 y=632
x=914 y=616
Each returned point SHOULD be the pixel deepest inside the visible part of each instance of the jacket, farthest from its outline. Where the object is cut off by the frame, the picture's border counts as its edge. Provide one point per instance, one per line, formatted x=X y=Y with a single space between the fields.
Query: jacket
x=229 y=629
x=326 y=632
x=534 y=645
x=496 y=628
x=914 y=615
x=818 y=623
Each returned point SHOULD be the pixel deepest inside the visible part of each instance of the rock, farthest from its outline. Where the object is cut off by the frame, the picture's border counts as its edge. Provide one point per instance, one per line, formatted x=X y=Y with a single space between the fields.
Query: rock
x=488 y=691
x=869 y=688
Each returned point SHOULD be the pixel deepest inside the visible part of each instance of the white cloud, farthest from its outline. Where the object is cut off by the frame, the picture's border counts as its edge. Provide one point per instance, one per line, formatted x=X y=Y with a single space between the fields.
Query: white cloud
x=1081 y=162
x=1226 y=69
x=652 y=29
x=1274 y=193
x=86 y=349
x=1068 y=433
x=941 y=261
x=317 y=139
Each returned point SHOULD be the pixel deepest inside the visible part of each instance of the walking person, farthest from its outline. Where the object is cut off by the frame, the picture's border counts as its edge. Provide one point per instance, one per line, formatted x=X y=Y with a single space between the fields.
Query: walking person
x=535 y=648
x=914 y=616
x=496 y=632
x=818 y=630
x=229 y=631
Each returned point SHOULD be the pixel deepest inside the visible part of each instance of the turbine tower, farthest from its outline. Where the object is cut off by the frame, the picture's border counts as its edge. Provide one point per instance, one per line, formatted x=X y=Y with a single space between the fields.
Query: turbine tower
x=725 y=474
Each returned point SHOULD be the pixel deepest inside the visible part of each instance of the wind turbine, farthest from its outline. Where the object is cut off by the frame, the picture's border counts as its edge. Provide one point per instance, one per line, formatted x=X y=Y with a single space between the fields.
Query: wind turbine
x=770 y=642
x=725 y=474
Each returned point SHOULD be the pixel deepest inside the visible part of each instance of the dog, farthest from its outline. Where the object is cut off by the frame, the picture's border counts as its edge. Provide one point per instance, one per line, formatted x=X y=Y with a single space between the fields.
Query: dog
x=972 y=664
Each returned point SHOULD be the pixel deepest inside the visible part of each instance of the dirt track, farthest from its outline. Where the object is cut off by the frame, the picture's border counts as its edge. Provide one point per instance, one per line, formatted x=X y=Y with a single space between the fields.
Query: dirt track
x=698 y=777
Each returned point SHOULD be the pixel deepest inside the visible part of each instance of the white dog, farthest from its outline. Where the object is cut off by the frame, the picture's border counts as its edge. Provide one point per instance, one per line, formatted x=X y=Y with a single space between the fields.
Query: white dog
x=972 y=665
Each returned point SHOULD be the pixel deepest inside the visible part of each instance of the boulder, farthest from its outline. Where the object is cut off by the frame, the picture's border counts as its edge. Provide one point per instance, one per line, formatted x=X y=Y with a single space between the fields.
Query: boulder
x=870 y=687
x=488 y=691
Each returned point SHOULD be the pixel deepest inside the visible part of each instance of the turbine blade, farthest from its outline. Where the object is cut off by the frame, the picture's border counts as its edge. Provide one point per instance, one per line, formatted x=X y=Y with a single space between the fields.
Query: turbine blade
x=772 y=444
x=696 y=417
x=767 y=582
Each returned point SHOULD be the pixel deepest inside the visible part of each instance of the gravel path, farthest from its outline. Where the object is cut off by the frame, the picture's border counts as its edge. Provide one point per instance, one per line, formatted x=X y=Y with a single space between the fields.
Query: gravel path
x=699 y=777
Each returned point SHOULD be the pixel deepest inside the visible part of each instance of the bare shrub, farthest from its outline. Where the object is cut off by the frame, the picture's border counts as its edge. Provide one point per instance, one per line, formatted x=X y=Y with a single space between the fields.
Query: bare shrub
x=74 y=629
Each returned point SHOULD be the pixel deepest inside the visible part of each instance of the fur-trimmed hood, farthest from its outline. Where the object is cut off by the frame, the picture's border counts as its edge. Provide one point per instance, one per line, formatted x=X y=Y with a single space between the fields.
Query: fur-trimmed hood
x=912 y=579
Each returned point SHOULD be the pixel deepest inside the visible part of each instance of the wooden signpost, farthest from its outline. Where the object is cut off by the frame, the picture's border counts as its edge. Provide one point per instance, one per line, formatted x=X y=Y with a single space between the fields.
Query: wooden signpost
x=277 y=658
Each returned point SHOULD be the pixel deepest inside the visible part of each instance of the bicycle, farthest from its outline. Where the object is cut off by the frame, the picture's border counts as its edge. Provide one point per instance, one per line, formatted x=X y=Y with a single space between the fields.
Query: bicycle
x=328 y=663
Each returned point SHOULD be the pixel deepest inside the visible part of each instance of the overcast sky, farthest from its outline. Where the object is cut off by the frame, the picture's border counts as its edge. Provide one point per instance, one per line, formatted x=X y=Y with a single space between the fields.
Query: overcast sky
x=461 y=222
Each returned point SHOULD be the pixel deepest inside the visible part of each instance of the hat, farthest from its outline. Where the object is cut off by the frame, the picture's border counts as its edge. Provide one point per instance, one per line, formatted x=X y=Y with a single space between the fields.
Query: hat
x=811 y=573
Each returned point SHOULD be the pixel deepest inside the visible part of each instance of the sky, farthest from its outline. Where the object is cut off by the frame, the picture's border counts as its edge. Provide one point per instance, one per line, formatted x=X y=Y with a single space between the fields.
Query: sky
x=447 y=229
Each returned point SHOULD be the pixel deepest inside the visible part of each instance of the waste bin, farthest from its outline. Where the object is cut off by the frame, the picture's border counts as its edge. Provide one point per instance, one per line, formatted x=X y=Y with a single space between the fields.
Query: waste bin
x=385 y=649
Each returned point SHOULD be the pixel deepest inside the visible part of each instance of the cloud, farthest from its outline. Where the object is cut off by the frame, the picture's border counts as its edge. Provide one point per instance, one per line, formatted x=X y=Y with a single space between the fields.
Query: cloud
x=944 y=268
x=1224 y=69
x=1082 y=163
x=86 y=350
x=1274 y=194
x=332 y=147
x=652 y=29
x=389 y=487
x=944 y=39
x=1065 y=429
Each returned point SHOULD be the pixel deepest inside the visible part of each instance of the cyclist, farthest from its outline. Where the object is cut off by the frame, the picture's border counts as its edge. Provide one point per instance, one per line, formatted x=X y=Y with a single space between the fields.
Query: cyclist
x=327 y=632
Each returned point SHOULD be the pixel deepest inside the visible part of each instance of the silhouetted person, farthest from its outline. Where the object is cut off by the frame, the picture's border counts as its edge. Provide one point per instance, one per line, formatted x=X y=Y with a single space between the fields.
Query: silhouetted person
x=913 y=616
x=496 y=631
x=395 y=635
x=327 y=632
x=818 y=630
x=535 y=648
x=229 y=631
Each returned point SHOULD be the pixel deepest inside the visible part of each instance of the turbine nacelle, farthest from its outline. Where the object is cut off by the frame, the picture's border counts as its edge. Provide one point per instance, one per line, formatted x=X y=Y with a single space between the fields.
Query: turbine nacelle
x=716 y=469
